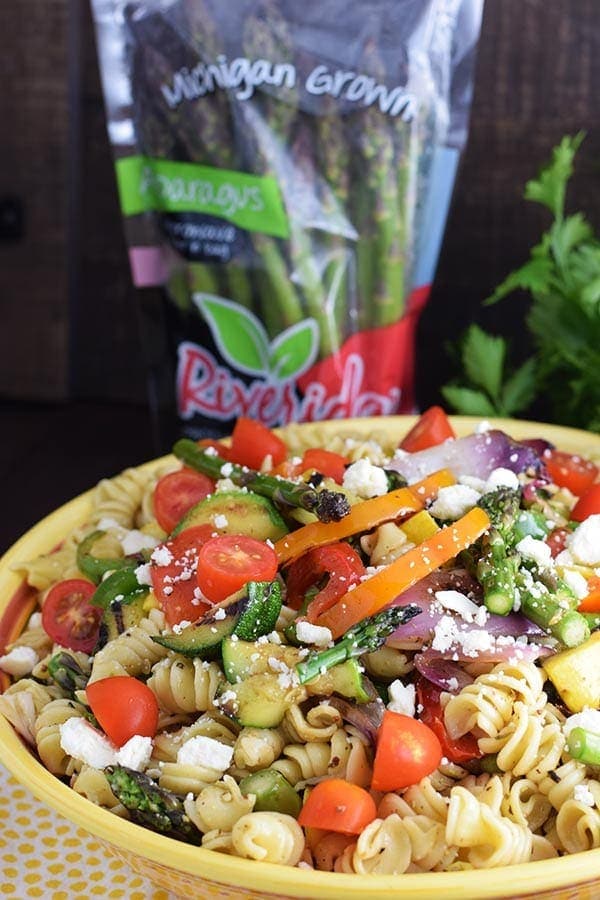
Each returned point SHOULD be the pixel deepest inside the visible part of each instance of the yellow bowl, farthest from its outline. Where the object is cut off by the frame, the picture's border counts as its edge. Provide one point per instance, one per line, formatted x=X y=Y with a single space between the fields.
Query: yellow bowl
x=194 y=872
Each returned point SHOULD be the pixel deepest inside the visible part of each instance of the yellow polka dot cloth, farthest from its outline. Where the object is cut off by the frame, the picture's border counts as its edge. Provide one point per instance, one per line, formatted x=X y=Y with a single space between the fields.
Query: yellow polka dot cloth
x=44 y=855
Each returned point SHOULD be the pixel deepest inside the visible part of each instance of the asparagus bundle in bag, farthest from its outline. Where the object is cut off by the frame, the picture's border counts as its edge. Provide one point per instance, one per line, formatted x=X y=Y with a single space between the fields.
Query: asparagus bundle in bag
x=284 y=171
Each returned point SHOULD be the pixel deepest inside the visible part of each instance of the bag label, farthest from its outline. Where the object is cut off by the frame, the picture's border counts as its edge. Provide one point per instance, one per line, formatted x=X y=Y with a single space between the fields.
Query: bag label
x=252 y=202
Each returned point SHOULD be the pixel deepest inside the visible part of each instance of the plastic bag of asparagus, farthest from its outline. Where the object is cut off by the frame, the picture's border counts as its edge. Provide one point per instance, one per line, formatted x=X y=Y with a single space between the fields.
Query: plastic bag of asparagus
x=284 y=171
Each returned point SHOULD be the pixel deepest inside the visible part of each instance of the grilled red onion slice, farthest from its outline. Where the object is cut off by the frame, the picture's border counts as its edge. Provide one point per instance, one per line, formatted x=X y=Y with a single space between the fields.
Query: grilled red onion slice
x=477 y=455
x=364 y=716
x=445 y=673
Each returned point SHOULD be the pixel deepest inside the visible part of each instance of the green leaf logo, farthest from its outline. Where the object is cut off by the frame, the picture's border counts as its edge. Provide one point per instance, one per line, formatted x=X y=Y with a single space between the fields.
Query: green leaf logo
x=294 y=350
x=244 y=344
x=239 y=335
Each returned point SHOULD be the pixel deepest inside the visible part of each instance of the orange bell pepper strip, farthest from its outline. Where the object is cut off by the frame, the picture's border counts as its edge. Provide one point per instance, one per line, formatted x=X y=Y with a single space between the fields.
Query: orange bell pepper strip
x=363 y=516
x=591 y=602
x=373 y=594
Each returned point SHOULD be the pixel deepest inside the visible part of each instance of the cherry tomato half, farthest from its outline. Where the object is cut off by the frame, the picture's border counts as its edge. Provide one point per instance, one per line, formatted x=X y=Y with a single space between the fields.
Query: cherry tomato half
x=338 y=805
x=587 y=505
x=407 y=750
x=174 y=580
x=570 y=471
x=339 y=563
x=331 y=465
x=69 y=618
x=557 y=540
x=123 y=707
x=227 y=562
x=432 y=428
x=457 y=751
x=252 y=442
x=176 y=493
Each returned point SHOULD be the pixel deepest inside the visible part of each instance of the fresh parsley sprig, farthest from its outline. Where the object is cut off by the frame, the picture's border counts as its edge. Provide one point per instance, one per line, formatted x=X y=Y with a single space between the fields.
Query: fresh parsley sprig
x=562 y=277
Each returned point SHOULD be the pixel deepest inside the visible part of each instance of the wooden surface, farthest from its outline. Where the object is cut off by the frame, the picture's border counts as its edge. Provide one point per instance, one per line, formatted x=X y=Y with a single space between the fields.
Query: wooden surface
x=537 y=78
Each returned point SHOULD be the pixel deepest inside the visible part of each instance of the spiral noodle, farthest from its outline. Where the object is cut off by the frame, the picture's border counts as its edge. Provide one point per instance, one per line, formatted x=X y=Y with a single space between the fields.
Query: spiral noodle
x=315 y=760
x=388 y=663
x=183 y=685
x=578 y=823
x=491 y=839
x=317 y=724
x=526 y=742
x=120 y=498
x=47 y=734
x=22 y=702
x=183 y=779
x=269 y=837
x=488 y=703
x=44 y=570
x=133 y=652
x=218 y=806
x=257 y=748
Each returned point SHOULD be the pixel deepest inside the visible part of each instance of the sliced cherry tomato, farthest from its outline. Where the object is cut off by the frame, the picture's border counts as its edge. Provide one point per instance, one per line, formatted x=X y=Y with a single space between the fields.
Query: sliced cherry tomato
x=338 y=805
x=339 y=563
x=458 y=751
x=123 y=707
x=176 y=493
x=570 y=471
x=557 y=540
x=252 y=442
x=173 y=573
x=68 y=616
x=587 y=505
x=432 y=428
x=332 y=465
x=407 y=750
x=227 y=562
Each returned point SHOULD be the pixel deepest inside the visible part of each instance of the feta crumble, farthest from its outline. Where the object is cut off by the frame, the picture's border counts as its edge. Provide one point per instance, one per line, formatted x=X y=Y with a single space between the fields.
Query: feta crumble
x=205 y=751
x=501 y=477
x=313 y=634
x=402 y=698
x=454 y=501
x=81 y=741
x=19 y=661
x=135 y=753
x=538 y=551
x=365 y=480
x=584 y=543
x=588 y=718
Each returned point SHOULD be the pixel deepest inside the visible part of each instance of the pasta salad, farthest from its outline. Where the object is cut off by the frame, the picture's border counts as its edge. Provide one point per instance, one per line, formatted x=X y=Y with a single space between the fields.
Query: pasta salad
x=373 y=657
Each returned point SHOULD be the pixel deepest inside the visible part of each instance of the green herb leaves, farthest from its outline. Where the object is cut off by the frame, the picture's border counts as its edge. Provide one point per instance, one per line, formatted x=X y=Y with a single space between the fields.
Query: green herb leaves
x=562 y=277
x=490 y=392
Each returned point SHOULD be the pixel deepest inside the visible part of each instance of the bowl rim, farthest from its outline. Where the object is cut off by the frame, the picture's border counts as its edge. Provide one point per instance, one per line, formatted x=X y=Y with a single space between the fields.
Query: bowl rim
x=266 y=878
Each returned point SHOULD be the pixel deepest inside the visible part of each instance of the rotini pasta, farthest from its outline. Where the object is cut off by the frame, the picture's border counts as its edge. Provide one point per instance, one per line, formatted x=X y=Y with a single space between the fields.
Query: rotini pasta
x=239 y=742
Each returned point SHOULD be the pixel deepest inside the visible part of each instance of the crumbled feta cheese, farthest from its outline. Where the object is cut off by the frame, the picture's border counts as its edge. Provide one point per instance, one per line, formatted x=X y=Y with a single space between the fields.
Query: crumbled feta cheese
x=365 y=480
x=459 y=603
x=402 y=698
x=205 y=751
x=136 y=753
x=475 y=642
x=19 y=661
x=582 y=794
x=219 y=613
x=226 y=469
x=225 y=484
x=135 y=541
x=80 y=740
x=313 y=634
x=179 y=626
x=162 y=556
x=538 y=551
x=584 y=543
x=444 y=634
x=501 y=477
x=35 y=620
x=142 y=574
x=220 y=521
x=454 y=501
x=478 y=484
x=577 y=583
x=483 y=426
x=588 y=718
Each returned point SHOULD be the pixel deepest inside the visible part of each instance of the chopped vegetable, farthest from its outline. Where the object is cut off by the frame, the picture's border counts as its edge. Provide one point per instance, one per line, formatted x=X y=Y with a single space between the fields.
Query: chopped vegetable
x=331 y=465
x=458 y=750
x=150 y=805
x=337 y=805
x=381 y=589
x=328 y=506
x=432 y=428
x=365 y=637
x=550 y=610
x=363 y=516
x=338 y=563
x=120 y=584
x=273 y=792
x=252 y=443
x=176 y=493
x=96 y=567
x=66 y=671
x=584 y=746
x=576 y=675
x=407 y=751
x=124 y=707
x=173 y=574
x=570 y=471
x=69 y=617
x=228 y=562
x=587 y=505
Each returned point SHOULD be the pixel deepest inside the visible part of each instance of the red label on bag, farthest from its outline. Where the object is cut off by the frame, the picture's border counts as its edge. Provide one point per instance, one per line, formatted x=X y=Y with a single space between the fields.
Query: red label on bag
x=371 y=374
